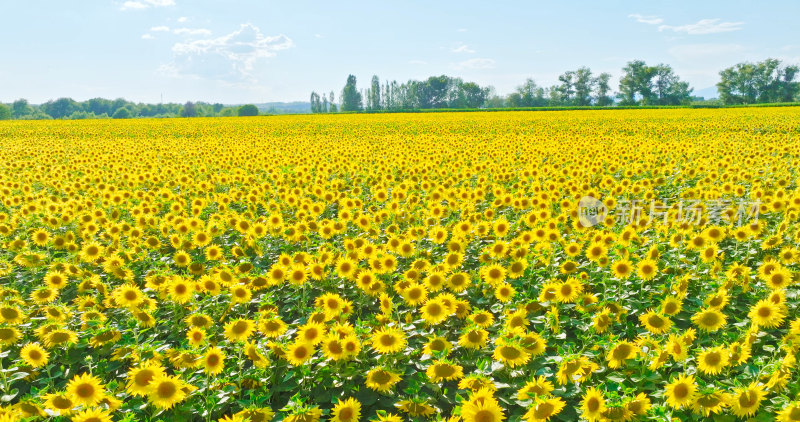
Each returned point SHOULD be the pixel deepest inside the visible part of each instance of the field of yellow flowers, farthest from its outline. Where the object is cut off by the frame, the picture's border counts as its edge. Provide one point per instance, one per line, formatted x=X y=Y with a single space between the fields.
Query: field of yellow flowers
x=476 y=267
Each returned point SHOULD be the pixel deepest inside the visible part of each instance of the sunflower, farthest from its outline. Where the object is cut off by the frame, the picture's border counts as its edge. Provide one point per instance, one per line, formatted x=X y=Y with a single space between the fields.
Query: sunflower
x=213 y=361
x=676 y=348
x=711 y=402
x=443 y=370
x=482 y=411
x=538 y=386
x=474 y=338
x=388 y=340
x=257 y=414
x=434 y=311
x=299 y=352
x=180 y=290
x=416 y=407
x=681 y=392
x=458 y=282
x=766 y=314
x=331 y=304
x=639 y=405
x=504 y=292
x=239 y=329
x=196 y=336
x=381 y=380
x=333 y=348
x=92 y=415
x=11 y=315
x=91 y=252
x=493 y=274
x=59 y=403
x=790 y=413
x=86 y=390
x=437 y=345
x=304 y=414
x=621 y=352
x=482 y=319
x=311 y=333
x=622 y=269
x=272 y=327
x=745 y=401
x=55 y=314
x=346 y=411
x=352 y=345
x=166 y=391
x=240 y=294
x=709 y=319
x=44 y=295
x=602 y=321
x=34 y=355
x=575 y=369
x=671 y=305
x=533 y=343
x=128 y=296
x=655 y=323
x=593 y=404
x=569 y=290
x=711 y=361
x=511 y=355
x=647 y=269
x=56 y=280
x=139 y=379
x=543 y=409
x=252 y=353
x=779 y=278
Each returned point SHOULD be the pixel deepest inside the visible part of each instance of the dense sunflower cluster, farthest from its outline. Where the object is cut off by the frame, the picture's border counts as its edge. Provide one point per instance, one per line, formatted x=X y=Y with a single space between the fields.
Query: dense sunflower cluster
x=402 y=267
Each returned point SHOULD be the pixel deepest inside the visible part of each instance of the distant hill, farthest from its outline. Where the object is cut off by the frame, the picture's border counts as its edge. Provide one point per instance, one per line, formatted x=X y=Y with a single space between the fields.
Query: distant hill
x=707 y=93
x=295 y=107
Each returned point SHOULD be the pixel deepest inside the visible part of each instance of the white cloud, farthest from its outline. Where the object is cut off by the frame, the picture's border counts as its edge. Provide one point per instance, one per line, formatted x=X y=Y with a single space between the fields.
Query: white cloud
x=417 y=62
x=650 y=20
x=462 y=29
x=191 y=31
x=145 y=4
x=476 y=63
x=159 y=29
x=318 y=36
x=704 y=26
x=463 y=48
x=231 y=57
x=148 y=37
x=182 y=19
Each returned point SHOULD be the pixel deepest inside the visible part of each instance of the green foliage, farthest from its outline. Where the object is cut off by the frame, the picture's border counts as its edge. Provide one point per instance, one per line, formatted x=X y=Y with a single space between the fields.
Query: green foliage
x=189 y=110
x=248 y=110
x=5 y=112
x=762 y=82
x=652 y=85
x=351 y=98
x=122 y=113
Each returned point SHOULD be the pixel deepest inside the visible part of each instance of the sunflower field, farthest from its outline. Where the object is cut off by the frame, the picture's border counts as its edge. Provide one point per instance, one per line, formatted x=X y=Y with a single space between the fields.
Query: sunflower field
x=402 y=267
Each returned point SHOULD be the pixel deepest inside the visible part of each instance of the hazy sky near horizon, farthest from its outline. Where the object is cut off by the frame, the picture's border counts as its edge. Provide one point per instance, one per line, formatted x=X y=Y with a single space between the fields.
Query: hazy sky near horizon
x=240 y=51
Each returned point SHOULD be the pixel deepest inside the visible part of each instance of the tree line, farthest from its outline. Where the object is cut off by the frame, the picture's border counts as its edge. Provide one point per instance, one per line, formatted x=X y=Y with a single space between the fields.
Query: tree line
x=768 y=81
x=101 y=108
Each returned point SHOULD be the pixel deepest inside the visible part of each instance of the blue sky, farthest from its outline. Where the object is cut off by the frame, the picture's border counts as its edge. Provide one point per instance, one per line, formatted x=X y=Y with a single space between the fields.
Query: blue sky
x=239 y=51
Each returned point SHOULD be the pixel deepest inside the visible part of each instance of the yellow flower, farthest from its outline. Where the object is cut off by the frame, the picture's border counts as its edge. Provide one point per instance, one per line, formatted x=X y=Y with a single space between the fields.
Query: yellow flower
x=346 y=411
x=34 y=355
x=381 y=380
x=86 y=390
x=388 y=340
x=681 y=392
